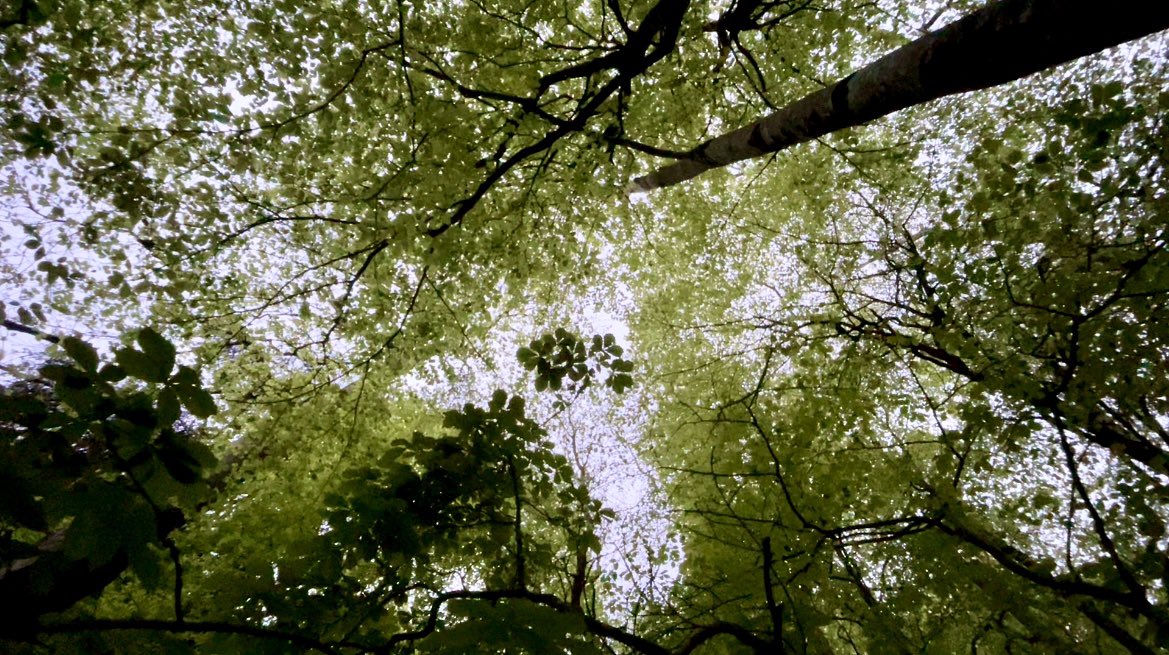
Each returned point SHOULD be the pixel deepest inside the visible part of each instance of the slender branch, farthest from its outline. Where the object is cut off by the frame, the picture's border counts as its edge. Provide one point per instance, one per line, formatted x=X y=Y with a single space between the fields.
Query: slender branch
x=173 y=549
x=595 y=626
x=520 y=567
x=655 y=38
x=196 y=627
x=371 y=252
x=1009 y=558
x=645 y=147
x=1115 y=631
x=324 y=104
x=1101 y=529
x=579 y=577
x=743 y=635
x=773 y=608
x=20 y=327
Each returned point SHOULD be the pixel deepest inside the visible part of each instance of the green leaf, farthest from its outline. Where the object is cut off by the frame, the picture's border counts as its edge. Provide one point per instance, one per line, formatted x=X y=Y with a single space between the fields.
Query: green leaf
x=527 y=357
x=168 y=406
x=620 y=382
x=112 y=373
x=136 y=364
x=108 y=519
x=160 y=351
x=81 y=352
x=197 y=400
x=185 y=377
x=184 y=459
x=498 y=401
x=146 y=564
x=89 y=538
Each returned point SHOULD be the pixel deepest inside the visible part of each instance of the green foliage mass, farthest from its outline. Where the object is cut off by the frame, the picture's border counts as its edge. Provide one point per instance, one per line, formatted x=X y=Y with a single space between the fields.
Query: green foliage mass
x=420 y=378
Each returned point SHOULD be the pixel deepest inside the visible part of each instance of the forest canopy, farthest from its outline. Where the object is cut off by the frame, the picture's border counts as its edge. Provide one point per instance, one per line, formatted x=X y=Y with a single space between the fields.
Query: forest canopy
x=644 y=327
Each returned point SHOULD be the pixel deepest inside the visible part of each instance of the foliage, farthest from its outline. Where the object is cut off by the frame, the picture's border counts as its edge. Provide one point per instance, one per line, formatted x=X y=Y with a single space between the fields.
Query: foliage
x=901 y=389
x=98 y=476
x=559 y=355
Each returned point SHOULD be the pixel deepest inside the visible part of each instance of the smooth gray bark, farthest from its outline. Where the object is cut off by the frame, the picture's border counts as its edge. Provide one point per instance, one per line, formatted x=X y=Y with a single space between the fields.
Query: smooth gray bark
x=1001 y=42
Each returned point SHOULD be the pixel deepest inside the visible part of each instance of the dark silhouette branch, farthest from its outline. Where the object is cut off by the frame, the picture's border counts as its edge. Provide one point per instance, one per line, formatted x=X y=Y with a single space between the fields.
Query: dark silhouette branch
x=521 y=576
x=1011 y=560
x=26 y=329
x=197 y=627
x=655 y=37
x=1113 y=630
x=774 y=609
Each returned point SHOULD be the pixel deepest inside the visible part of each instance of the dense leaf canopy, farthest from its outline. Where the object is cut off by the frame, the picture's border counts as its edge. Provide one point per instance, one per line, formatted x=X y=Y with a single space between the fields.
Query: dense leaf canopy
x=330 y=327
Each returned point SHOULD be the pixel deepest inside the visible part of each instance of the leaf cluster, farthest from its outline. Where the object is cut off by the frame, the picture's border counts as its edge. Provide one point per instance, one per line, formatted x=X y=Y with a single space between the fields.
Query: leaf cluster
x=562 y=354
x=99 y=472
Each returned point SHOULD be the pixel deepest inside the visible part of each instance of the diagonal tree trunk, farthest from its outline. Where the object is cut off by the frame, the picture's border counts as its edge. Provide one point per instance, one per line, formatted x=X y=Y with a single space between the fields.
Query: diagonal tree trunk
x=1003 y=41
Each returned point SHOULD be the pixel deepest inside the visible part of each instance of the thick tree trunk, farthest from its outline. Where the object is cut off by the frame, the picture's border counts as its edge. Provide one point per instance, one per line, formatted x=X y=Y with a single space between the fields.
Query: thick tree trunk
x=1003 y=41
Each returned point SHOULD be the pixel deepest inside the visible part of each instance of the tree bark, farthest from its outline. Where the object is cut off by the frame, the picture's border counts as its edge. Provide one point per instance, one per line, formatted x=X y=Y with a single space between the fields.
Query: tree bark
x=1003 y=41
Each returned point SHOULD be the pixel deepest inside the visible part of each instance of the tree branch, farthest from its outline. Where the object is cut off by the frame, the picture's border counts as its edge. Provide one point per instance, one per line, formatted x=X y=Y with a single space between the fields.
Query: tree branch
x=25 y=329
x=773 y=608
x=196 y=627
x=1001 y=42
